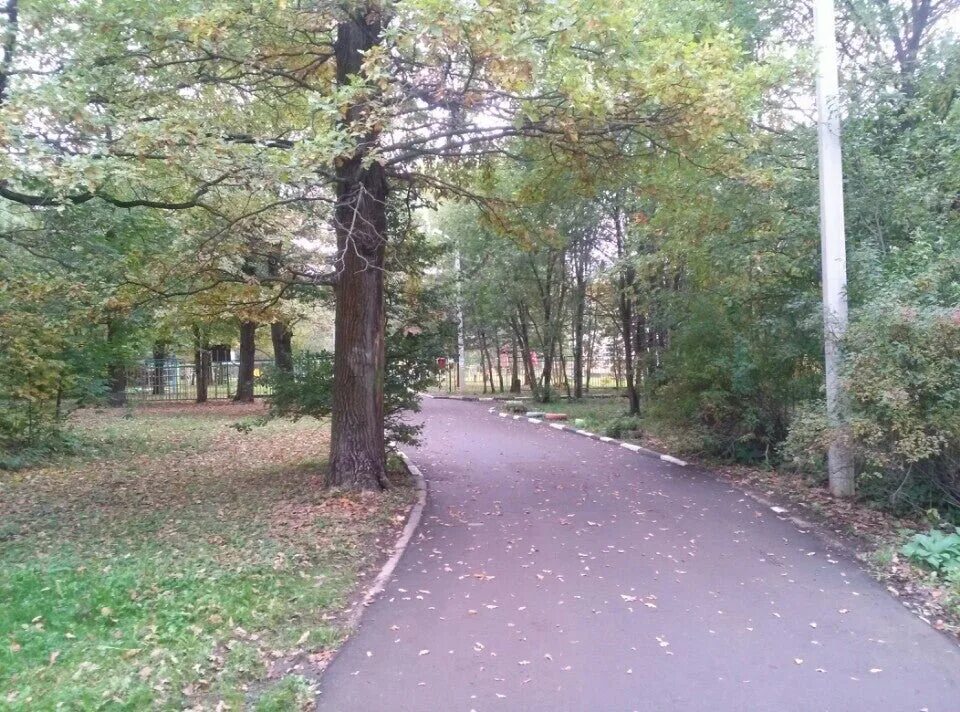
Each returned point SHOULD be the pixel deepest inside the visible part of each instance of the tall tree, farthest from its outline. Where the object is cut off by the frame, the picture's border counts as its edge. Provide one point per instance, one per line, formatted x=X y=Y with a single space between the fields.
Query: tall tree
x=230 y=111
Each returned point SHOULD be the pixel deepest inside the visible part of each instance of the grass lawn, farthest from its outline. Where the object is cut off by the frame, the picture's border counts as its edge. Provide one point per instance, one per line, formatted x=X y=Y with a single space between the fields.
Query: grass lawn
x=599 y=415
x=181 y=563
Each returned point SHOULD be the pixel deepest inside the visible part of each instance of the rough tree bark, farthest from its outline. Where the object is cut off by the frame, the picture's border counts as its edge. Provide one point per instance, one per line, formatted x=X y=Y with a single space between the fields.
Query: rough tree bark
x=248 y=352
x=591 y=346
x=485 y=347
x=578 y=347
x=581 y=257
x=202 y=368
x=483 y=367
x=552 y=317
x=357 y=448
x=282 y=337
x=563 y=366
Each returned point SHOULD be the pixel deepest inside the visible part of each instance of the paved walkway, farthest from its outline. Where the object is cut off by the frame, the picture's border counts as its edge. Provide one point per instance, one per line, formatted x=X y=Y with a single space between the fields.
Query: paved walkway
x=553 y=572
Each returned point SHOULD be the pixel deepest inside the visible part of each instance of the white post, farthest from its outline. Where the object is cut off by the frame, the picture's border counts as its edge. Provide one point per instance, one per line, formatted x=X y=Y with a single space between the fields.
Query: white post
x=461 y=343
x=832 y=240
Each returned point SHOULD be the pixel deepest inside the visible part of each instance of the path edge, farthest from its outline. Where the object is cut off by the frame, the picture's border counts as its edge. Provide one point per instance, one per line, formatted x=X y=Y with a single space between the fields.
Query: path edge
x=828 y=538
x=399 y=547
x=564 y=427
x=354 y=617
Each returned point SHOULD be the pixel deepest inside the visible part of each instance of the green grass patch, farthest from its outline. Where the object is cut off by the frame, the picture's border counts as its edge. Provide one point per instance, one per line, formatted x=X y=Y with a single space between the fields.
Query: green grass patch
x=606 y=416
x=291 y=693
x=178 y=566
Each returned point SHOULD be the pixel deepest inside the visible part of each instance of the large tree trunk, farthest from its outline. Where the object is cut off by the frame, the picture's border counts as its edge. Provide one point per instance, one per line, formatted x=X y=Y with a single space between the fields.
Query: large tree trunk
x=357 y=448
x=591 y=346
x=485 y=347
x=552 y=307
x=626 y=325
x=117 y=370
x=202 y=368
x=248 y=352
x=563 y=367
x=617 y=361
x=282 y=337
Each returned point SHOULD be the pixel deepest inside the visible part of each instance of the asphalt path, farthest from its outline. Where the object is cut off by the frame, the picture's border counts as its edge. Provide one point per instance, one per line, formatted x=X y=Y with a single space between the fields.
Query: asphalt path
x=554 y=572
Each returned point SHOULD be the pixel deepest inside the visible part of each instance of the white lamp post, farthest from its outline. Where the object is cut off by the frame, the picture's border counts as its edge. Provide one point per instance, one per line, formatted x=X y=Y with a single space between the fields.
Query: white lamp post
x=832 y=238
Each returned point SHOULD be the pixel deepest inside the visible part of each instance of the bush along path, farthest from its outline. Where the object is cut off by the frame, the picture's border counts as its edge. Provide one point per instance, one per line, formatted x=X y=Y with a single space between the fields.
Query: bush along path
x=558 y=572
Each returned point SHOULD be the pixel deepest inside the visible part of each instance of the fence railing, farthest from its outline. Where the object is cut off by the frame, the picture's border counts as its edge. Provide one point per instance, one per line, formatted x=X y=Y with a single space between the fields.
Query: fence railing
x=175 y=380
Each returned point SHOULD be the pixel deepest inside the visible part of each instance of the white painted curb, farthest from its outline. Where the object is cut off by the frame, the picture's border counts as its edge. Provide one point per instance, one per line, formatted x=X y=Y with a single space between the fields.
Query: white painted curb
x=602 y=438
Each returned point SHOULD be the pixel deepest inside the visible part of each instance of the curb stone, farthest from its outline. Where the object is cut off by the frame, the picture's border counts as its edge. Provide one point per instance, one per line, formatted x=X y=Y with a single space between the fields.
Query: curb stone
x=355 y=614
x=403 y=541
x=593 y=436
x=783 y=513
x=780 y=512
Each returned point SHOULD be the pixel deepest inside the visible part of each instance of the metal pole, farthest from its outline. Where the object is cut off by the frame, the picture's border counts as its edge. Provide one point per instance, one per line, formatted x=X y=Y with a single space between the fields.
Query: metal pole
x=461 y=347
x=832 y=240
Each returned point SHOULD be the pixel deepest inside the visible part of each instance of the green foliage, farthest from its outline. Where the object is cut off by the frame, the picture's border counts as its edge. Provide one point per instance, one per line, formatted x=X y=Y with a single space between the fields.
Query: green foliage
x=805 y=447
x=903 y=376
x=623 y=426
x=936 y=549
x=307 y=391
x=43 y=369
x=903 y=380
x=735 y=378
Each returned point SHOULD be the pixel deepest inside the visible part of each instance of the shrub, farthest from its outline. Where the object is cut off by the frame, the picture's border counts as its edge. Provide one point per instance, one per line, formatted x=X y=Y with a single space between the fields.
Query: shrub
x=732 y=379
x=936 y=549
x=51 y=359
x=903 y=376
x=805 y=447
x=308 y=390
x=623 y=426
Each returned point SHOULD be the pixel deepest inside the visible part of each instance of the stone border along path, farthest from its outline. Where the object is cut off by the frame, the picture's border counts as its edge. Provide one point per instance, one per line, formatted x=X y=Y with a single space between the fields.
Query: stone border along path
x=594 y=436
x=355 y=614
x=759 y=498
x=552 y=572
